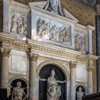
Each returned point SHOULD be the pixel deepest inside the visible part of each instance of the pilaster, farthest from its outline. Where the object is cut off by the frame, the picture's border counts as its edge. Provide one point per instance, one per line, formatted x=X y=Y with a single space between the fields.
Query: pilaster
x=5 y=66
x=33 y=79
x=73 y=65
x=90 y=81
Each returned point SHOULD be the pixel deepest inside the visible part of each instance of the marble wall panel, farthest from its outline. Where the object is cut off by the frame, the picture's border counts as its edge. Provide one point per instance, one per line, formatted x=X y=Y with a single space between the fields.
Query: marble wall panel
x=81 y=73
x=18 y=62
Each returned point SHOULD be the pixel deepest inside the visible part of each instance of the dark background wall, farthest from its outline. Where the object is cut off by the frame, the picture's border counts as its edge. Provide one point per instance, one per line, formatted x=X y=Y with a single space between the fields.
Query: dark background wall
x=1 y=15
x=98 y=49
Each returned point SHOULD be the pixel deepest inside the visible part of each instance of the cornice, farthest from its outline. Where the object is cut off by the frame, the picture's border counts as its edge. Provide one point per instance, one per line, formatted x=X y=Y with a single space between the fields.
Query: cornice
x=9 y=40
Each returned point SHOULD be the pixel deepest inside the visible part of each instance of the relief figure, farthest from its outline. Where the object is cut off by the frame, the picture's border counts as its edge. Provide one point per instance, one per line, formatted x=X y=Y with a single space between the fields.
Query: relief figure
x=42 y=27
x=53 y=33
x=64 y=35
x=19 y=25
x=78 y=41
x=13 y=24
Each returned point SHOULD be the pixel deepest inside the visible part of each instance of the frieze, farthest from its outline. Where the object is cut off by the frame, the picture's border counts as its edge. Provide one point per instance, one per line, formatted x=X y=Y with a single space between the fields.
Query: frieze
x=52 y=32
x=19 y=44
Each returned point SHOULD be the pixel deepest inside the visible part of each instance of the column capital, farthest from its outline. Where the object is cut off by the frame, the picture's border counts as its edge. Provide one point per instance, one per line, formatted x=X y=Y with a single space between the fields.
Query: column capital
x=90 y=66
x=32 y=56
x=5 y=51
x=73 y=64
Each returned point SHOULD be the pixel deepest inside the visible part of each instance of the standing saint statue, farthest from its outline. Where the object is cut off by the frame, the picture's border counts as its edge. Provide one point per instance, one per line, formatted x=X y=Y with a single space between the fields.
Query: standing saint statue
x=80 y=93
x=18 y=92
x=54 y=6
x=53 y=89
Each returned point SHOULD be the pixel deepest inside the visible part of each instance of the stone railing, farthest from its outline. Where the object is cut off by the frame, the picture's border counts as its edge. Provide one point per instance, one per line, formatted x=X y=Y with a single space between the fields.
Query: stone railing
x=95 y=96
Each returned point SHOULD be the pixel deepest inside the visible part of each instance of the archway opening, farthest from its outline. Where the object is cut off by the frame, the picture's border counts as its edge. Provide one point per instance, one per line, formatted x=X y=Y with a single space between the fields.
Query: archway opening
x=45 y=74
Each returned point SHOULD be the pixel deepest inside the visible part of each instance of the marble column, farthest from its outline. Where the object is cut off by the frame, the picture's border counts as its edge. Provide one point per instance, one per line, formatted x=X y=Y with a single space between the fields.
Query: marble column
x=5 y=67
x=33 y=79
x=90 y=32
x=90 y=81
x=73 y=74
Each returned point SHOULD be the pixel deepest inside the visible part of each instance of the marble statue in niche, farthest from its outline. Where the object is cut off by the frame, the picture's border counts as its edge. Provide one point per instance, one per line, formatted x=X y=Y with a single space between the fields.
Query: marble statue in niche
x=64 y=35
x=19 y=25
x=53 y=33
x=42 y=27
x=54 y=6
x=53 y=89
x=18 y=92
x=79 y=94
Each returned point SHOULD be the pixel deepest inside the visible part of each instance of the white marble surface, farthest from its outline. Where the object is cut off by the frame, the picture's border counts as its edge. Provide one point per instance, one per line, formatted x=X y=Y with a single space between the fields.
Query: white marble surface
x=19 y=62
x=81 y=73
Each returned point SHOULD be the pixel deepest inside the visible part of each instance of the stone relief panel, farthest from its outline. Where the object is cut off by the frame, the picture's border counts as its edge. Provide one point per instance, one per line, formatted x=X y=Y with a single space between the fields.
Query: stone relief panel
x=81 y=73
x=80 y=42
x=18 y=62
x=52 y=32
x=18 y=25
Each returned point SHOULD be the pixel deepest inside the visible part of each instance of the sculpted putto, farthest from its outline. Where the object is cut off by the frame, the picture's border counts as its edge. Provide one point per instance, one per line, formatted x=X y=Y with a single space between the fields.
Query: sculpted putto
x=53 y=89
x=54 y=6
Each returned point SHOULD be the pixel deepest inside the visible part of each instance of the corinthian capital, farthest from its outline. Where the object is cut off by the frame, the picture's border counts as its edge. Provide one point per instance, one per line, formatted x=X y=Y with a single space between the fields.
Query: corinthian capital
x=73 y=64
x=90 y=65
x=5 y=51
x=32 y=56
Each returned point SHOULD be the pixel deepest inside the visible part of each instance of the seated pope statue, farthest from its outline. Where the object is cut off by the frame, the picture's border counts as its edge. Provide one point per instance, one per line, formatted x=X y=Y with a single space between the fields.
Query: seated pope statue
x=53 y=89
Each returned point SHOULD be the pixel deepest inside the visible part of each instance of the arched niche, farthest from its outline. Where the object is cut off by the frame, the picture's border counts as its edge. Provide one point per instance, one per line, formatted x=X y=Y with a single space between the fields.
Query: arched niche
x=83 y=90
x=59 y=76
x=13 y=85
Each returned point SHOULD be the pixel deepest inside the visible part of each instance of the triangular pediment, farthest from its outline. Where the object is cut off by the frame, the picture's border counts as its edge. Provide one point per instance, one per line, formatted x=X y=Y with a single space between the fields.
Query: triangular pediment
x=65 y=12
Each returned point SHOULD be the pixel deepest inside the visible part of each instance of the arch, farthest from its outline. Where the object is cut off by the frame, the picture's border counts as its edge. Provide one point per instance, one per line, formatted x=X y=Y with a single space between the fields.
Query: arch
x=14 y=78
x=13 y=82
x=82 y=85
x=59 y=65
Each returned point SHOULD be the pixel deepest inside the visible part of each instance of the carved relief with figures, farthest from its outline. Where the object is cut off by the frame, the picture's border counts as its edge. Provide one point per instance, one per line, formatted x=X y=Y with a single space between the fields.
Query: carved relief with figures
x=52 y=31
x=18 y=24
x=80 y=42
